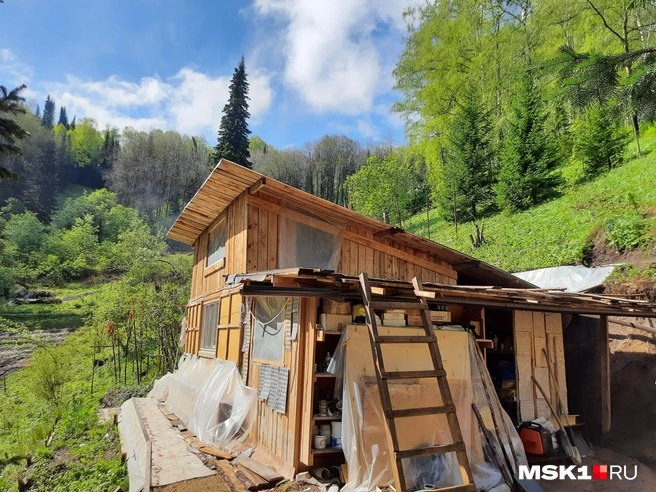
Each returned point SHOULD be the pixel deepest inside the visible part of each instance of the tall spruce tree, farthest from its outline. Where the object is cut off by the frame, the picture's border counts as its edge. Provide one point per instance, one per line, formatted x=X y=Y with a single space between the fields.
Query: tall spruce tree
x=233 y=132
x=73 y=123
x=48 y=119
x=38 y=111
x=527 y=160
x=63 y=118
x=469 y=170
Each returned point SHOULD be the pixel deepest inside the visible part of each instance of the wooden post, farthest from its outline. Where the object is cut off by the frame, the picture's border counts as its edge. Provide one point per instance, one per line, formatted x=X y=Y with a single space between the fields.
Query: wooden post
x=604 y=374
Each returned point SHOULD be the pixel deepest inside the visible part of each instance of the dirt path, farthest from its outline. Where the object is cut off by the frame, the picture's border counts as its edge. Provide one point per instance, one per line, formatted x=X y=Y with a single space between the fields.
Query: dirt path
x=14 y=356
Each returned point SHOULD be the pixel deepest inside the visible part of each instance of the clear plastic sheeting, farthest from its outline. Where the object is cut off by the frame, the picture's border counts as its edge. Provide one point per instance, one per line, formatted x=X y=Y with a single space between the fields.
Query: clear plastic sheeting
x=571 y=278
x=309 y=242
x=209 y=396
x=363 y=423
x=268 y=337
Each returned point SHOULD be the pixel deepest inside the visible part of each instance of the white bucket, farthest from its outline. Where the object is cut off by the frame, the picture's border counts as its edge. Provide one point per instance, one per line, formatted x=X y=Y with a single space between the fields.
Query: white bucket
x=320 y=442
x=324 y=430
x=336 y=434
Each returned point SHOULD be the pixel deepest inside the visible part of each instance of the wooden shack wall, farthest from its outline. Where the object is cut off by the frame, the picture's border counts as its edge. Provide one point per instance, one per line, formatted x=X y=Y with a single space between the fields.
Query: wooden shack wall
x=207 y=283
x=361 y=251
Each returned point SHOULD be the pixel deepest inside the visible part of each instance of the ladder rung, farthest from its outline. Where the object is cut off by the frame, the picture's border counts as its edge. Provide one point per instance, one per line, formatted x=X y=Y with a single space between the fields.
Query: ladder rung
x=405 y=339
x=447 y=448
x=397 y=305
x=416 y=412
x=435 y=373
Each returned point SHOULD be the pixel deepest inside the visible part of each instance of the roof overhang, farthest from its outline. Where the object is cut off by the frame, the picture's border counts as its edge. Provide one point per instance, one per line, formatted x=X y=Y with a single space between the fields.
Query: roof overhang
x=229 y=180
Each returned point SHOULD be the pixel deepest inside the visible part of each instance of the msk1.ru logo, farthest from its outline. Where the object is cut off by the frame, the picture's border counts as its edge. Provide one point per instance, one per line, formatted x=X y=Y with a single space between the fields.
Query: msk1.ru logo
x=561 y=472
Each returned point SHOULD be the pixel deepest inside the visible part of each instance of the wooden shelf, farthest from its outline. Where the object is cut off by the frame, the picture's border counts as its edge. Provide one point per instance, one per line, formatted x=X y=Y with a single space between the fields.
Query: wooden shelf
x=484 y=343
x=500 y=352
x=317 y=417
x=327 y=451
x=324 y=375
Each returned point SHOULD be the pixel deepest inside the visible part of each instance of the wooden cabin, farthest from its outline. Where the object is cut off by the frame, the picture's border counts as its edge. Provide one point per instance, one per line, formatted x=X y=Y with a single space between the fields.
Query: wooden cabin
x=257 y=237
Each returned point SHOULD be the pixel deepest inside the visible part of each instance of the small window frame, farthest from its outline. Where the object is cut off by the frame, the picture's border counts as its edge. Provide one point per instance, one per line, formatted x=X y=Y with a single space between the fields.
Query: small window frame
x=205 y=349
x=220 y=228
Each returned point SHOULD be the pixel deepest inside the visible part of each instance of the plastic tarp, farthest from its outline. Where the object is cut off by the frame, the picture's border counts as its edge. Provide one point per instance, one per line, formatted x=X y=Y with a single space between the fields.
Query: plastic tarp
x=571 y=278
x=363 y=424
x=318 y=245
x=209 y=396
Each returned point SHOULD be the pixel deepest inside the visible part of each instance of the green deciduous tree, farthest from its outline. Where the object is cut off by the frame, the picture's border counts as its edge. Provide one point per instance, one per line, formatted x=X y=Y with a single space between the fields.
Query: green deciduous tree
x=528 y=159
x=384 y=188
x=233 y=132
x=469 y=170
x=600 y=141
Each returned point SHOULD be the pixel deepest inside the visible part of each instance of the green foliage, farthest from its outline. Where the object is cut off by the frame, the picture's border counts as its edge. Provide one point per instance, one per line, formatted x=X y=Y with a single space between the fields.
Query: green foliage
x=48 y=119
x=384 y=187
x=627 y=232
x=233 y=132
x=528 y=158
x=557 y=232
x=86 y=142
x=469 y=170
x=600 y=140
x=25 y=235
x=11 y=104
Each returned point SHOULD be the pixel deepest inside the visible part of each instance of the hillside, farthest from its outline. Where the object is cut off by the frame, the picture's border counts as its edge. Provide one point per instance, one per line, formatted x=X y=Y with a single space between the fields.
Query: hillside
x=573 y=229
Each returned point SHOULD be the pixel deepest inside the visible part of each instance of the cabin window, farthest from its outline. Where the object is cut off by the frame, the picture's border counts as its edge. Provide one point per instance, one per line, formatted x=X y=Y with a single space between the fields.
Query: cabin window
x=209 y=328
x=310 y=243
x=269 y=334
x=217 y=244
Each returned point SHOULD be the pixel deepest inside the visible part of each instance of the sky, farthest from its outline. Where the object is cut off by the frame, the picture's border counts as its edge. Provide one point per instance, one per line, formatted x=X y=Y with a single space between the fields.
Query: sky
x=315 y=67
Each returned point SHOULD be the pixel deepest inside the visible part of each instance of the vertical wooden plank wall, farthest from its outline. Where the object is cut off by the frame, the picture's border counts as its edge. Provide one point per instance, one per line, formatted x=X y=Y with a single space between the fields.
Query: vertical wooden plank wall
x=280 y=433
x=380 y=258
x=534 y=331
x=208 y=281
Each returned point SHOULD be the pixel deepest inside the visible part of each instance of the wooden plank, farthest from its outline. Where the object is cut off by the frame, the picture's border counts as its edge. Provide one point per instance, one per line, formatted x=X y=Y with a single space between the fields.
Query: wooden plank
x=604 y=375
x=224 y=469
x=272 y=247
x=251 y=248
x=263 y=471
x=262 y=240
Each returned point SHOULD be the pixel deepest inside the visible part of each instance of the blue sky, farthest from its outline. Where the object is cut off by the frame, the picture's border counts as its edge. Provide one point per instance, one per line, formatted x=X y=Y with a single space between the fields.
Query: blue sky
x=315 y=66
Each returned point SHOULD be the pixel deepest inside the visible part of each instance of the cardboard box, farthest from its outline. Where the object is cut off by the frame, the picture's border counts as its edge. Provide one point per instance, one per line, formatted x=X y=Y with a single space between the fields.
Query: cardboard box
x=415 y=320
x=393 y=322
x=336 y=307
x=393 y=315
x=334 y=322
x=440 y=316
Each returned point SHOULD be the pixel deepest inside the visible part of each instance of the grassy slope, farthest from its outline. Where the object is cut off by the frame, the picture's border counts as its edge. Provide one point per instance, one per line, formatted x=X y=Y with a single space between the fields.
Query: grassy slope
x=557 y=232
x=85 y=453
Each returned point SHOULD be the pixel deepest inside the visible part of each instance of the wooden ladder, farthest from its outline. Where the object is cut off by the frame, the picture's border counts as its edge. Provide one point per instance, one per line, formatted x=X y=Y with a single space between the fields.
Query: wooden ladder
x=382 y=377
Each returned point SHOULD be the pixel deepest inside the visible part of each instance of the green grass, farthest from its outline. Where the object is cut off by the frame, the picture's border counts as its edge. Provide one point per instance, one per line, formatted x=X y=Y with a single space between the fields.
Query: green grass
x=558 y=232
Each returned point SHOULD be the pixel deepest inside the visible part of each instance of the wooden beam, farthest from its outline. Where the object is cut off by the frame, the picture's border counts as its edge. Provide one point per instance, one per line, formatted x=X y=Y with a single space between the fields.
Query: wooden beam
x=604 y=375
x=255 y=187
x=637 y=326
x=387 y=232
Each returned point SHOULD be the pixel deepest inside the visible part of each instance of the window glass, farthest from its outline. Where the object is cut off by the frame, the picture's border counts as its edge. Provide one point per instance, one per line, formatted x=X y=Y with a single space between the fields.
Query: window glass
x=268 y=332
x=209 y=328
x=302 y=245
x=217 y=244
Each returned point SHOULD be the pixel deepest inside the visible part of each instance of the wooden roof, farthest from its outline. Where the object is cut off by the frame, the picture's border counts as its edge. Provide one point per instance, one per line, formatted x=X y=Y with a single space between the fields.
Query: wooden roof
x=229 y=180
x=306 y=282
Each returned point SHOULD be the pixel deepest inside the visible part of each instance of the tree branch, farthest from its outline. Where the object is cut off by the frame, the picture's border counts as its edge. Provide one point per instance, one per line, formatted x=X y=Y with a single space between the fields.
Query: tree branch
x=603 y=19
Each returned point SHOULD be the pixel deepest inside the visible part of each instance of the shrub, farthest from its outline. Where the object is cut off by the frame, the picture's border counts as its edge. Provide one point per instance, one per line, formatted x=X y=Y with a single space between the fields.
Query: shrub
x=627 y=233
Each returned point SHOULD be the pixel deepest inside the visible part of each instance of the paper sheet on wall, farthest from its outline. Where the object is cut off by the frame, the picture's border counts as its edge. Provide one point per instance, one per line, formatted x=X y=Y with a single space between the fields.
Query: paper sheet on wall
x=288 y=326
x=264 y=385
x=295 y=318
x=278 y=392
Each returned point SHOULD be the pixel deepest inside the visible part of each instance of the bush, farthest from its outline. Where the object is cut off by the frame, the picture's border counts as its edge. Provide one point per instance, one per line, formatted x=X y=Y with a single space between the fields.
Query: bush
x=627 y=233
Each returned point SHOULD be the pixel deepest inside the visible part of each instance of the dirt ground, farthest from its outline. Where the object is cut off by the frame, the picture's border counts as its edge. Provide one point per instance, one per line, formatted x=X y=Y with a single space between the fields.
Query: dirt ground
x=632 y=440
x=15 y=356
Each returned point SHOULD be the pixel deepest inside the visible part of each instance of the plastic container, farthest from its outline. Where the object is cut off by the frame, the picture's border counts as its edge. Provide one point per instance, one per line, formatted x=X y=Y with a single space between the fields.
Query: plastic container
x=324 y=430
x=336 y=434
x=320 y=442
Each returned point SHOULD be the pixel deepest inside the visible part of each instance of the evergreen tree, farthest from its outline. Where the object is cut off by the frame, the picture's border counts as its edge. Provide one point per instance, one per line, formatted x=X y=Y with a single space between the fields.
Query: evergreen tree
x=601 y=140
x=63 y=119
x=527 y=160
x=72 y=126
x=11 y=105
x=233 y=132
x=48 y=119
x=469 y=173
x=38 y=111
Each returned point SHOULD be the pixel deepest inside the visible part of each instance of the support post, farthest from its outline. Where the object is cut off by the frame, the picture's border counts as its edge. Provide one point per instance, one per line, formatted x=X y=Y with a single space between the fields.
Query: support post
x=604 y=374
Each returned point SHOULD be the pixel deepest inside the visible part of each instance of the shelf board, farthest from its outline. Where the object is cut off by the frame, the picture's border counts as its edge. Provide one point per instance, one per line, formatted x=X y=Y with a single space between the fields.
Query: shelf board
x=324 y=375
x=500 y=352
x=327 y=451
x=317 y=417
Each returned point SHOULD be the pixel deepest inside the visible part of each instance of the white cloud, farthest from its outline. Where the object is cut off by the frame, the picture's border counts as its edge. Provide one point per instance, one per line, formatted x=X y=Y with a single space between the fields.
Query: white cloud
x=13 y=70
x=332 y=51
x=190 y=102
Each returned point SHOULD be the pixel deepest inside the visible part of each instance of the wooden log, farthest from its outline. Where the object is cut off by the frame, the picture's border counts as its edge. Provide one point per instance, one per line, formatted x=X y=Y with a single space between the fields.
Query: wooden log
x=263 y=471
x=224 y=469
x=257 y=482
